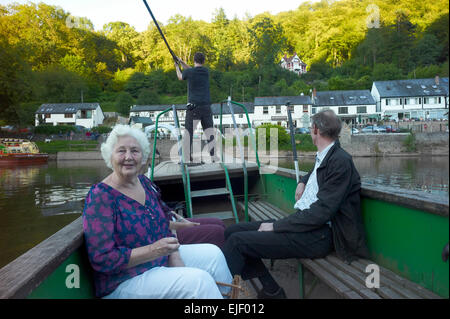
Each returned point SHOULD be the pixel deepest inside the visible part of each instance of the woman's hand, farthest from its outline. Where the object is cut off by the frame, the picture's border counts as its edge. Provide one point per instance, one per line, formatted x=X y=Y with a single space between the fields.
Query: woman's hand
x=164 y=246
x=181 y=222
x=175 y=260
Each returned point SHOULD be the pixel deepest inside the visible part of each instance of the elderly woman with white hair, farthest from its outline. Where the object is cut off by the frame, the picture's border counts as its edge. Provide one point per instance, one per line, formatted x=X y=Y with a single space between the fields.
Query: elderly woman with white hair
x=128 y=238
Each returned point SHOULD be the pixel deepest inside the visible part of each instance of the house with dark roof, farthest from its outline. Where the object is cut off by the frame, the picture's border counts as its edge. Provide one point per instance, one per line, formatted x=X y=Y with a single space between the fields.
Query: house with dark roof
x=293 y=64
x=419 y=99
x=88 y=115
x=273 y=110
x=352 y=106
x=152 y=111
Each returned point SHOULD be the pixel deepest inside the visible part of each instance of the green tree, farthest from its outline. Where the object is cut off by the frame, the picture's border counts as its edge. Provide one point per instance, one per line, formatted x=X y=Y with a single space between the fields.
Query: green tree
x=147 y=97
x=124 y=101
x=267 y=41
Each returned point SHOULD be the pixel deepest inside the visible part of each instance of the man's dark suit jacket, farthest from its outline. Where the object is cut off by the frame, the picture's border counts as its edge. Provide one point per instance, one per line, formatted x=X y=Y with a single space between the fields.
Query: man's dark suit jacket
x=338 y=201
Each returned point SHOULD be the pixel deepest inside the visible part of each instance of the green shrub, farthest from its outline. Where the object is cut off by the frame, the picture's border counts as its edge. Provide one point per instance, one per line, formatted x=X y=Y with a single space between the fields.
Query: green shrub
x=51 y=129
x=410 y=142
x=101 y=129
x=284 y=140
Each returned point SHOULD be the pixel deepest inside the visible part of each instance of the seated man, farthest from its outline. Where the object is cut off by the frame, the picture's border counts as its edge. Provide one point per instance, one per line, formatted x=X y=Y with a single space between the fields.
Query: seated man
x=328 y=216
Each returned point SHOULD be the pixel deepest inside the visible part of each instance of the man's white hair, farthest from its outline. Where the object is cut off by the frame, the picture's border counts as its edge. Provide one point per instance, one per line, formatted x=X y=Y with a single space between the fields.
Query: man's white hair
x=124 y=130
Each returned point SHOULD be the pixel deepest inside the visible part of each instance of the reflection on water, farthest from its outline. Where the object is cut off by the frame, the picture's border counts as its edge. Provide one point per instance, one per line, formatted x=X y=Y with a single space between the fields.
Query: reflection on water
x=37 y=201
x=428 y=176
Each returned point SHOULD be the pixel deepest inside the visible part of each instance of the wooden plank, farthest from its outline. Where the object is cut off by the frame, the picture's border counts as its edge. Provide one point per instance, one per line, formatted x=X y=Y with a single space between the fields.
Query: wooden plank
x=261 y=212
x=388 y=293
x=209 y=192
x=255 y=213
x=21 y=276
x=220 y=215
x=348 y=280
x=328 y=278
x=269 y=211
x=281 y=212
x=403 y=282
x=251 y=212
x=361 y=277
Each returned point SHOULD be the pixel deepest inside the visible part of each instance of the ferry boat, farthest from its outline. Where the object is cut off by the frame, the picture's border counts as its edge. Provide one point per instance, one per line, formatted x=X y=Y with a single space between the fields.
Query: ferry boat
x=407 y=236
x=16 y=151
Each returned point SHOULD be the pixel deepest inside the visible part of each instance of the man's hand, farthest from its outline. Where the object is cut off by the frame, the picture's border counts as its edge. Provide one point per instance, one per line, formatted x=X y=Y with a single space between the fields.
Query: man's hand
x=266 y=227
x=299 y=191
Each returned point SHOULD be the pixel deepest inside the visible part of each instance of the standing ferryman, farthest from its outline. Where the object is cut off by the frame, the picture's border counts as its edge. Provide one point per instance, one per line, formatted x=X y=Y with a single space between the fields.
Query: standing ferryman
x=199 y=102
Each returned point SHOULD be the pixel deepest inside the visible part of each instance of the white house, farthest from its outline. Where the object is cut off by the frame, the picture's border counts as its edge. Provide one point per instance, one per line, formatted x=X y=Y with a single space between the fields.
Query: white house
x=152 y=111
x=294 y=64
x=352 y=106
x=273 y=110
x=419 y=99
x=88 y=115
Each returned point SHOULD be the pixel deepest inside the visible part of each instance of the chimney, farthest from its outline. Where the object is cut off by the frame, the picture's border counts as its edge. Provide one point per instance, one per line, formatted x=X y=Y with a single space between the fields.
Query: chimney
x=436 y=79
x=313 y=96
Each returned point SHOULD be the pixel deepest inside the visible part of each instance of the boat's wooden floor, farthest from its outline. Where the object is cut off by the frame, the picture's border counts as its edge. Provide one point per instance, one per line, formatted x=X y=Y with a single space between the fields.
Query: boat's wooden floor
x=169 y=170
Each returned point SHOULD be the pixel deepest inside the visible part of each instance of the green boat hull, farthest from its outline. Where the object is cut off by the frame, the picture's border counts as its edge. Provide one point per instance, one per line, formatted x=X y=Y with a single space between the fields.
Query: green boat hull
x=405 y=235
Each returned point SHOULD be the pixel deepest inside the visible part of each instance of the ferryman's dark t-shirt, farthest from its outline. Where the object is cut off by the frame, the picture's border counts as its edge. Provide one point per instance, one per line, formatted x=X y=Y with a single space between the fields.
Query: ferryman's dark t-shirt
x=198 y=85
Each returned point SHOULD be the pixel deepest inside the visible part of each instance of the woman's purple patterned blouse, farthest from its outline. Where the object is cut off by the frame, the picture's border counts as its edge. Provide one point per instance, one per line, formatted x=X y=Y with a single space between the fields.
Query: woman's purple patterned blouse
x=114 y=224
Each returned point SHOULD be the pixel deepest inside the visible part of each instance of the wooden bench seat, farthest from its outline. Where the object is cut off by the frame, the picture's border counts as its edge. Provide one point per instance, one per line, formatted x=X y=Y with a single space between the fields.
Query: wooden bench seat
x=349 y=281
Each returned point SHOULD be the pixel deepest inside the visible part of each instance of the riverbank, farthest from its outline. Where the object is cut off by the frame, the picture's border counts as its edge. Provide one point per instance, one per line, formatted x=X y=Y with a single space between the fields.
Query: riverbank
x=360 y=145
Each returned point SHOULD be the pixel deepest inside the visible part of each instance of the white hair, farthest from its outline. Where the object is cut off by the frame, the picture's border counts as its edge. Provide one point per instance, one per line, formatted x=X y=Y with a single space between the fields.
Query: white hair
x=124 y=130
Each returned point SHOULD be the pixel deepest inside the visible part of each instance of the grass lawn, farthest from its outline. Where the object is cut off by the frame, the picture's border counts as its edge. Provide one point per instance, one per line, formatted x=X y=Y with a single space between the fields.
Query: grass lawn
x=66 y=146
x=303 y=143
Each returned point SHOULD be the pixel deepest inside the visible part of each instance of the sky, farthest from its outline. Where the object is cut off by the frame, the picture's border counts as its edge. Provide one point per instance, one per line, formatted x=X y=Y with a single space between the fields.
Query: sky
x=134 y=12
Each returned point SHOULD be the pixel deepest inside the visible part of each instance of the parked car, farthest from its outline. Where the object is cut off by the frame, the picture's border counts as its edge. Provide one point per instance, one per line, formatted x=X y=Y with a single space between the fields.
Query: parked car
x=355 y=130
x=392 y=129
x=301 y=130
x=373 y=129
x=380 y=129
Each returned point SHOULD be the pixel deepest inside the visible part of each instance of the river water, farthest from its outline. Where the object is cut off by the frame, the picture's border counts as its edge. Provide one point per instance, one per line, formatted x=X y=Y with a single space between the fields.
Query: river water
x=37 y=201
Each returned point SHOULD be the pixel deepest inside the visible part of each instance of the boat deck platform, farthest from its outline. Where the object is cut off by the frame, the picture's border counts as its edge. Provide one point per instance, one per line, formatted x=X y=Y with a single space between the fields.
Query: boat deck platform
x=171 y=171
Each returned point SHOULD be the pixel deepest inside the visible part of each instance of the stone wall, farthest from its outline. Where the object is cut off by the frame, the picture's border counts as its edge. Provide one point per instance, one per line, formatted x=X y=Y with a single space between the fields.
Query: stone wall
x=378 y=144
x=391 y=144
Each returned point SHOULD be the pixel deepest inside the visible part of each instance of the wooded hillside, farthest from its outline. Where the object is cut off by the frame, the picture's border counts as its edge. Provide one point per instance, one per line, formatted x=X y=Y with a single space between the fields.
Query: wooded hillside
x=48 y=56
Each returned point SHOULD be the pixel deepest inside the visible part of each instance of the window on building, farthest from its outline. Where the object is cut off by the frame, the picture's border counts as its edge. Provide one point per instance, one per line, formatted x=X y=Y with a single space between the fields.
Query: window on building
x=68 y=116
x=85 y=114
x=406 y=101
x=400 y=101
x=361 y=109
x=343 y=110
x=388 y=101
x=278 y=109
x=47 y=116
x=425 y=100
x=265 y=110
x=216 y=117
x=439 y=100
x=313 y=110
x=150 y=114
x=241 y=116
x=305 y=108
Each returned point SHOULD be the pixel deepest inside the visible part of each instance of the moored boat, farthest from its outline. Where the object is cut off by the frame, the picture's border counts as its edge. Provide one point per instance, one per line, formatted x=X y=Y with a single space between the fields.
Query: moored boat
x=15 y=151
